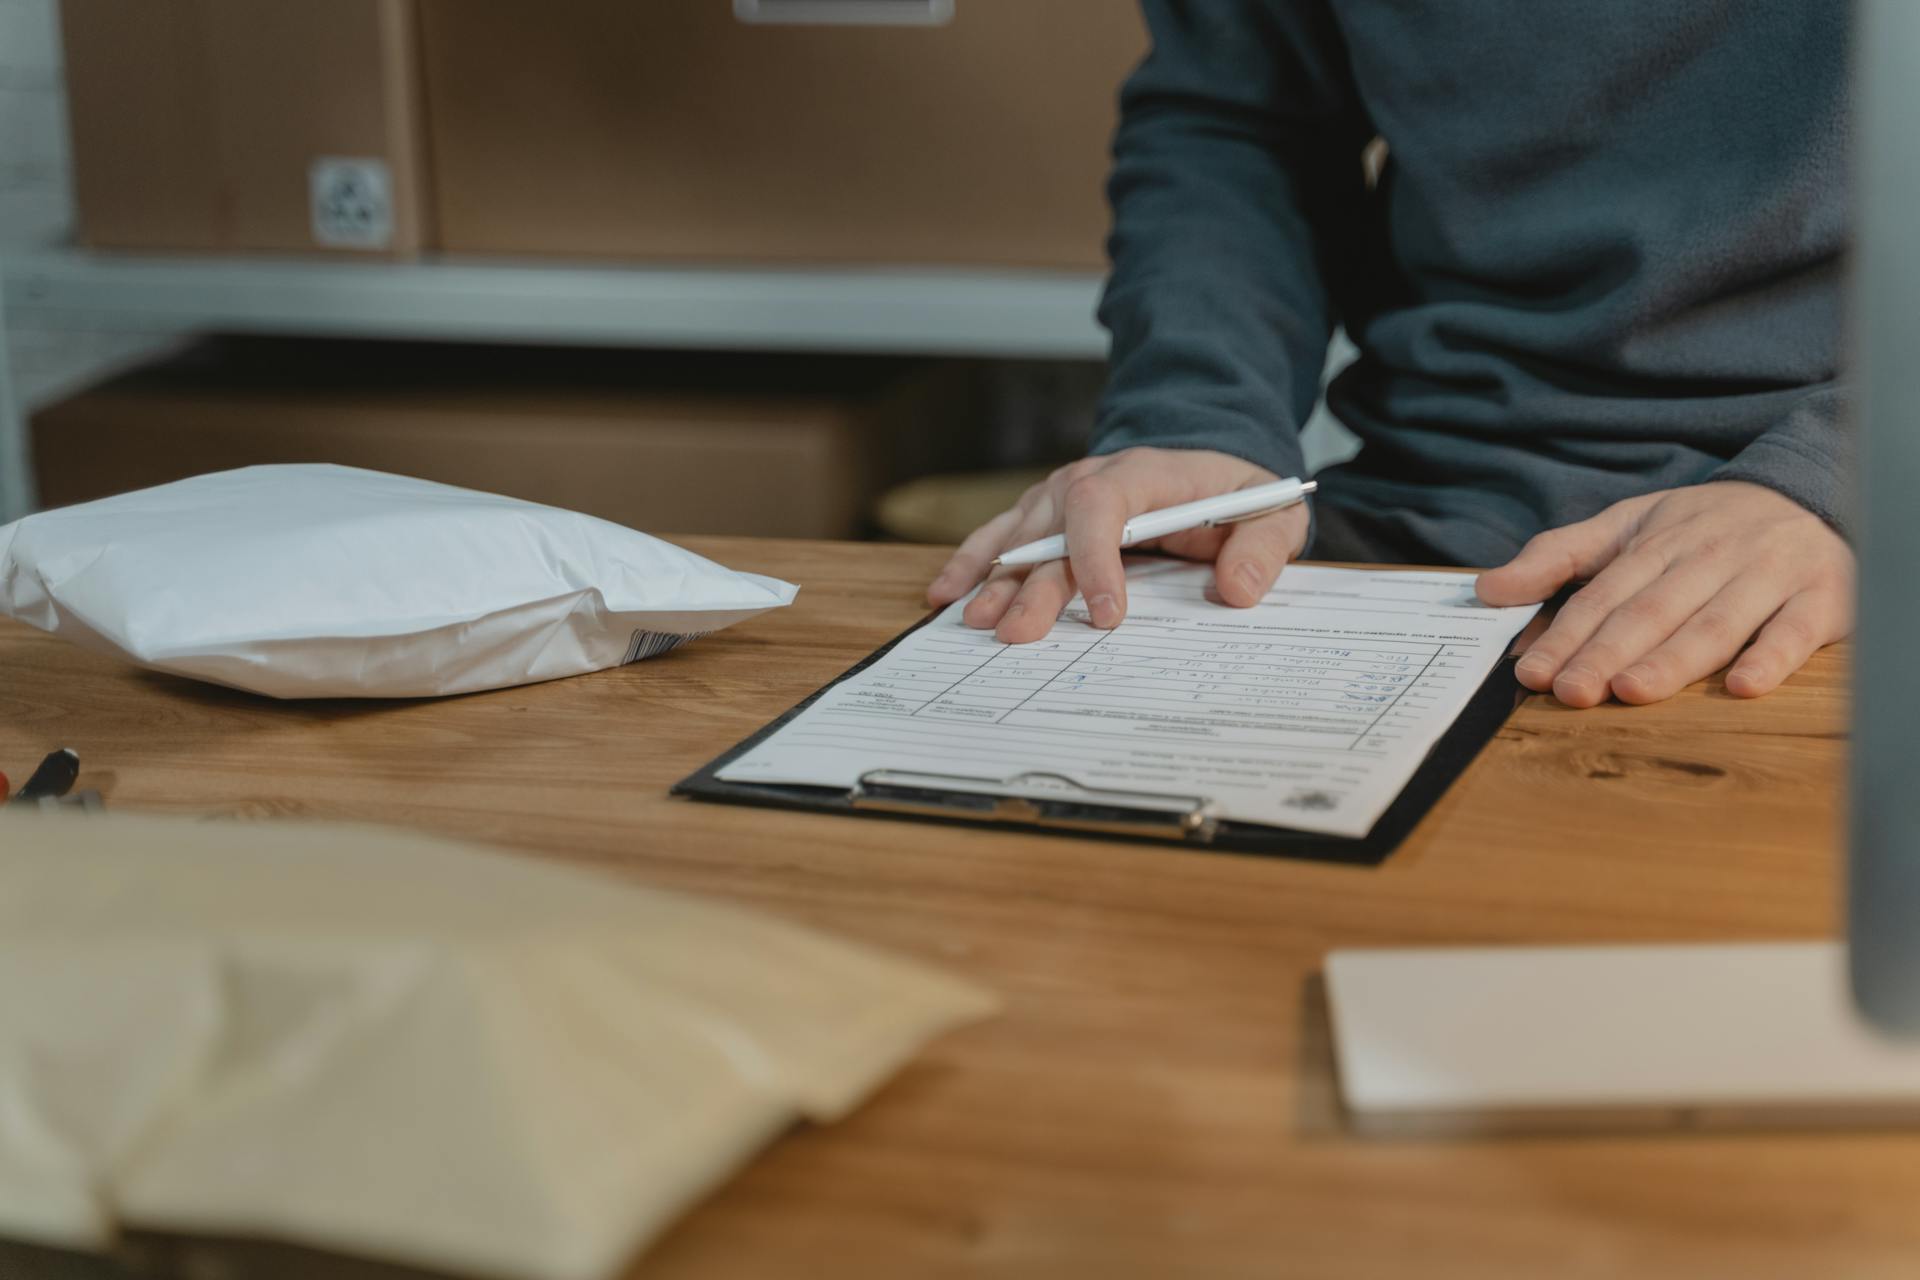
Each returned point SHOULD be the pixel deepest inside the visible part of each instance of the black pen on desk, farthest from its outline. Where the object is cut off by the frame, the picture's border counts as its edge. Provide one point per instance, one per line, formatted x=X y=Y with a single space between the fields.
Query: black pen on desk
x=54 y=778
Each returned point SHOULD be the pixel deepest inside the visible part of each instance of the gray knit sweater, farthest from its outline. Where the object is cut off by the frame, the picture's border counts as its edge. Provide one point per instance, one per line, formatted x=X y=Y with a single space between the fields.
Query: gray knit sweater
x=1602 y=259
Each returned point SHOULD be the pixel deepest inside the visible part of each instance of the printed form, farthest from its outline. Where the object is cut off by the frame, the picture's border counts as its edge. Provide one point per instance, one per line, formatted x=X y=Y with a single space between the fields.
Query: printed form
x=1310 y=710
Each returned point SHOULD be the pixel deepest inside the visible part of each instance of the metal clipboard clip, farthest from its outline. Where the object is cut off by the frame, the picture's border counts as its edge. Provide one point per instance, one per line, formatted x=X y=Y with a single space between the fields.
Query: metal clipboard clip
x=1042 y=799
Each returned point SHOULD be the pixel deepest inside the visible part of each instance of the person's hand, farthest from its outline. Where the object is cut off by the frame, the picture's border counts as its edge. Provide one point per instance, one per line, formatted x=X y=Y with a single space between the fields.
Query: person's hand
x=1091 y=500
x=1681 y=582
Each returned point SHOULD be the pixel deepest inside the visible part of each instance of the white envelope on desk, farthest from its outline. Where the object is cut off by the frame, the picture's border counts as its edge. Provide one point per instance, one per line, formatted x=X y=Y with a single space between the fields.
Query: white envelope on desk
x=316 y=581
x=394 y=1046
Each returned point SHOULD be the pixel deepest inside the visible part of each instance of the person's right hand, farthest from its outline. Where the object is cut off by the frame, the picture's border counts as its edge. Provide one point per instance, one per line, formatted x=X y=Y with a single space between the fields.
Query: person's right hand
x=1091 y=500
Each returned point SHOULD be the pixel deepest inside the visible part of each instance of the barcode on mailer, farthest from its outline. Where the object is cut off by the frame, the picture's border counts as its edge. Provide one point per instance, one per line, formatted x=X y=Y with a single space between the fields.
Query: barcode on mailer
x=651 y=644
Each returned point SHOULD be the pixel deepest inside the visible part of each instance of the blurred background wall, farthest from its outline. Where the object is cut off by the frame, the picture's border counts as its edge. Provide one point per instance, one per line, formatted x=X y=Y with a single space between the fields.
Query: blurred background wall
x=234 y=143
x=36 y=201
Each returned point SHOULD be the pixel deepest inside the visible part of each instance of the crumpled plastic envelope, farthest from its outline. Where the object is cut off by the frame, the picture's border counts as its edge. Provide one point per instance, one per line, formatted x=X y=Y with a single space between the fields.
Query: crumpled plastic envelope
x=316 y=581
x=400 y=1047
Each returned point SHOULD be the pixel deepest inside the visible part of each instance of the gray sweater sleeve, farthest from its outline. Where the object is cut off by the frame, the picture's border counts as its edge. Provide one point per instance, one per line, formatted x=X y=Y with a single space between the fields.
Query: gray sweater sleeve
x=1808 y=456
x=1235 y=190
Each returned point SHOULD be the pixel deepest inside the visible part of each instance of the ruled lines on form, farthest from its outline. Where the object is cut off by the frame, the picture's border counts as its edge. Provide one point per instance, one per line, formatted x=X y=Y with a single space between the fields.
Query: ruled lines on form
x=1309 y=710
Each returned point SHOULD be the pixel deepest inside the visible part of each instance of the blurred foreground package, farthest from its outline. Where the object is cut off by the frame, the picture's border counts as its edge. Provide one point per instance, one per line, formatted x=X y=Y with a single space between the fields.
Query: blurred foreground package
x=396 y=1047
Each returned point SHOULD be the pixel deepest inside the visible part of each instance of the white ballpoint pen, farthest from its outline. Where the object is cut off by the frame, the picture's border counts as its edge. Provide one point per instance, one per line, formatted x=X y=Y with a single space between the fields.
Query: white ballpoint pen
x=1241 y=504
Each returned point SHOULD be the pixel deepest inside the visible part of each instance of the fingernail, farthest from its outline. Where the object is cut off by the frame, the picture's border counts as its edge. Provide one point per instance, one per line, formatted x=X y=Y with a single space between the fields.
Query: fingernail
x=1249 y=578
x=1013 y=611
x=1534 y=664
x=1576 y=676
x=981 y=603
x=1745 y=674
x=1105 y=611
x=1638 y=674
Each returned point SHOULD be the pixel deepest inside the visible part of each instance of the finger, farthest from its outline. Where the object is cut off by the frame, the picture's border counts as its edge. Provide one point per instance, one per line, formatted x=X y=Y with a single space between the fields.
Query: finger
x=1535 y=628
x=1581 y=616
x=1254 y=554
x=1639 y=625
x=971 y=561
x=1804 y=624
x=1097 y=508
x=990 y=603
x=1702 y=644
x=1036 y=513
x=1194 y=544
x=1037 y=606
x=1552 y=559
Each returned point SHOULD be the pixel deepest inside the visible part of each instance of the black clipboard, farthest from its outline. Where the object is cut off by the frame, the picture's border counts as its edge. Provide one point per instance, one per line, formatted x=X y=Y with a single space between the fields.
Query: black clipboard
x=1054 y=805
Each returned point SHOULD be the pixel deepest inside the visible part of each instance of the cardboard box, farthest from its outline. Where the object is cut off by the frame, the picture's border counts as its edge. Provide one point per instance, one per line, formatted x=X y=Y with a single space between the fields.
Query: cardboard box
x=794 y=449
x=671 y=129
x=242 y=125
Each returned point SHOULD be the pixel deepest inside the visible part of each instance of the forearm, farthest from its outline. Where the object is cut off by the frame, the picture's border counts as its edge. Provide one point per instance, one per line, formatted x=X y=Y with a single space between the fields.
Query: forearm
x=1236 y=178
x=1808 y=456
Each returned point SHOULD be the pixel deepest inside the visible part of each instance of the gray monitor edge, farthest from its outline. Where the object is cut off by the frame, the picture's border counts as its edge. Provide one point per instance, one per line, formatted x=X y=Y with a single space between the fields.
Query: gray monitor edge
x=1884 y=342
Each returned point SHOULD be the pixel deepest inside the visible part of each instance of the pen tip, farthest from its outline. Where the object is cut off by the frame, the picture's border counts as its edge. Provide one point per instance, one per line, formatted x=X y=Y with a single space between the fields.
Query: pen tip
x=996 y=563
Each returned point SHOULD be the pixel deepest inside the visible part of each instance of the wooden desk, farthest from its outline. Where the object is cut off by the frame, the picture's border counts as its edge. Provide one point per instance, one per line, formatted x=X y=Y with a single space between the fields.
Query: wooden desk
x=1156 y=1099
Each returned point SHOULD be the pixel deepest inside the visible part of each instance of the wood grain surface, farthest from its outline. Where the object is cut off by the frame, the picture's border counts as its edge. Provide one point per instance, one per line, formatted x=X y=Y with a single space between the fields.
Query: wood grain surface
x=1157 y=1098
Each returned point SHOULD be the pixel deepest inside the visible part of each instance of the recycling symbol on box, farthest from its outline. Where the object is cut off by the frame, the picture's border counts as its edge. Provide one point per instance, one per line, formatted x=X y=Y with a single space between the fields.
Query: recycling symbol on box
x=352 y=203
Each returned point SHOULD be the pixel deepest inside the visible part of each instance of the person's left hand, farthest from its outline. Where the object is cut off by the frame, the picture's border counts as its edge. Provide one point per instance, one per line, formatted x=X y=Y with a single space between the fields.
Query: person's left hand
x=1681 y=581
